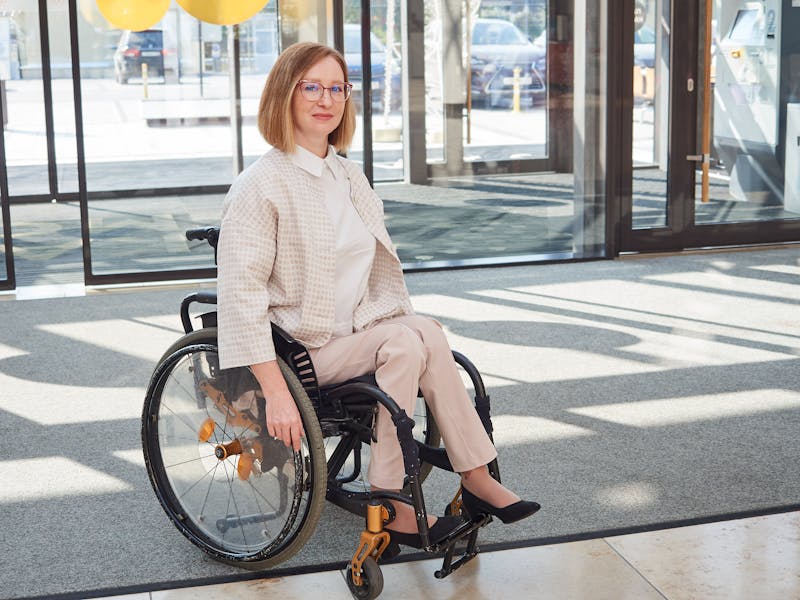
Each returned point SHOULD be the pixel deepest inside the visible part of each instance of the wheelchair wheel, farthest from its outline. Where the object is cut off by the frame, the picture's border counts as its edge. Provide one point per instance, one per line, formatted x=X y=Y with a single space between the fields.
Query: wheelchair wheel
x=371 y=580
x=231 y=489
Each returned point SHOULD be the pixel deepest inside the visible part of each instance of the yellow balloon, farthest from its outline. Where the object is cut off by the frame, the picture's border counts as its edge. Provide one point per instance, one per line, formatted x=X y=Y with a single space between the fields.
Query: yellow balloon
x=135 y=15
x=222 y=12
x=91 y=14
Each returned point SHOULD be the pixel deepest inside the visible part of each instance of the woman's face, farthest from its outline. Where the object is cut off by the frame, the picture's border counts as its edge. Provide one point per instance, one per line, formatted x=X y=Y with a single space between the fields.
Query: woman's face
x=314 y=120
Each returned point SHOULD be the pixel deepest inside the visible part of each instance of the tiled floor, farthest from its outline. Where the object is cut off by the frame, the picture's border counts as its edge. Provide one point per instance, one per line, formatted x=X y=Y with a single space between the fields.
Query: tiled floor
x=755 y=558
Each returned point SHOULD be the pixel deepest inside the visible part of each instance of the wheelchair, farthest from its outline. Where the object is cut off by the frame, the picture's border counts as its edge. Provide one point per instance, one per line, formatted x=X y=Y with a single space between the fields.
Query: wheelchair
x=246 y=499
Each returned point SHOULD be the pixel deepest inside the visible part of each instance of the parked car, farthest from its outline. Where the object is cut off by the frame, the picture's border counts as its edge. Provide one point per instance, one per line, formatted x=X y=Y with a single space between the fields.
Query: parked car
x=137 y=48
x=352 y=49
x=498 y=47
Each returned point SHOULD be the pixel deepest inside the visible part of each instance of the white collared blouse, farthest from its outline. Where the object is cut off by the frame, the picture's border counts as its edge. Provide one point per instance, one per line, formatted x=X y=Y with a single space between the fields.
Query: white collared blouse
x=355 y=245
x=277 y=258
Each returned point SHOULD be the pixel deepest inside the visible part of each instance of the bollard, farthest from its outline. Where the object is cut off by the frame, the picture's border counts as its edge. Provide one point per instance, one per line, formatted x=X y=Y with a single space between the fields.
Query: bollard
x=144 y=81
x=515 y=101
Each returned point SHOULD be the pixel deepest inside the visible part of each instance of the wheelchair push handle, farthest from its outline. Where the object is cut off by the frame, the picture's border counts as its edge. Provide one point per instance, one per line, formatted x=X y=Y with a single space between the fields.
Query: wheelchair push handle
x=200 y=298
x=209 y=234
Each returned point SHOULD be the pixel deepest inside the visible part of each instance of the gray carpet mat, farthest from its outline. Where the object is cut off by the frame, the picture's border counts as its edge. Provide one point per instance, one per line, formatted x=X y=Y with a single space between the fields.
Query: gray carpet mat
x=626 y=395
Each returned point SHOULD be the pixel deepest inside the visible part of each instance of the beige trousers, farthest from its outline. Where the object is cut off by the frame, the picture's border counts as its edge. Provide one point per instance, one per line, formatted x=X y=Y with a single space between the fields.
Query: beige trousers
x=408 y=354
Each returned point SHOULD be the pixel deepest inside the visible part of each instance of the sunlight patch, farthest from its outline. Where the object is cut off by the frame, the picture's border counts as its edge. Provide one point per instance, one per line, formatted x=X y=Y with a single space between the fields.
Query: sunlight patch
x=518 y=429
x=51 y=404
x=31 y=479
x=655 y=413
x=715 y=282
x=786 y=269
x=136 y=339
x=633 y=494
x=135 y=457
x=10 y=351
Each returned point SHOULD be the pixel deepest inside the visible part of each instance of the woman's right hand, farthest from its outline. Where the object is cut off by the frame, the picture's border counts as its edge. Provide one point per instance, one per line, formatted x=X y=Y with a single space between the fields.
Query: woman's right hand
x=283 y=418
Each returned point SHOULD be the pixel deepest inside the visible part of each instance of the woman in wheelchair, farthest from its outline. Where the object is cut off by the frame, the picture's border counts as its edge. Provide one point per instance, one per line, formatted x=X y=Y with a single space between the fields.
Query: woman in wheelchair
x=303 y=244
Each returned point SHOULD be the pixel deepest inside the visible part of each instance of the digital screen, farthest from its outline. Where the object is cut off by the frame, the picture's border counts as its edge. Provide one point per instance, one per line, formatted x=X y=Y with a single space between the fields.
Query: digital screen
x=747 y=28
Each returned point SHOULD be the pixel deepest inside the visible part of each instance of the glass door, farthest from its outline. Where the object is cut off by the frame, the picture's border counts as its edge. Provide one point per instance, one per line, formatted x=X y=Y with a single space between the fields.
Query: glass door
x=663 y=86
x=749 y=133
x=7 y=279
x=716 y=148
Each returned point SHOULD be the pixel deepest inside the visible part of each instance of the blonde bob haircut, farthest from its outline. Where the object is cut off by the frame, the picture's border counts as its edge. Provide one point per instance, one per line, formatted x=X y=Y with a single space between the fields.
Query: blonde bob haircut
x=275 y=121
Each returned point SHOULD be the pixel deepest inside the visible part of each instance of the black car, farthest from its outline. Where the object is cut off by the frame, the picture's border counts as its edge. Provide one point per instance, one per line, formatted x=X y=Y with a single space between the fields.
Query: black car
x=498 y=48
x=137 y=48
x=352 y=49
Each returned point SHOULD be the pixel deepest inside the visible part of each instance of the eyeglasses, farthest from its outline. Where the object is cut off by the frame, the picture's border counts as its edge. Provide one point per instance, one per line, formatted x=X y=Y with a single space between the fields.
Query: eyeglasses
x=313 y=91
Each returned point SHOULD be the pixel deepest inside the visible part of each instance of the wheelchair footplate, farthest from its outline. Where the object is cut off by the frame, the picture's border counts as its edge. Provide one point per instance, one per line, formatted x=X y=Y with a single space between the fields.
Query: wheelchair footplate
x=364 y=577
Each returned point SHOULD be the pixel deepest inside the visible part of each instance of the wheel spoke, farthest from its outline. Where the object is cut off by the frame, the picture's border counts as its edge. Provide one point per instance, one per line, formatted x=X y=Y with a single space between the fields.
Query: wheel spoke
x=263 y=518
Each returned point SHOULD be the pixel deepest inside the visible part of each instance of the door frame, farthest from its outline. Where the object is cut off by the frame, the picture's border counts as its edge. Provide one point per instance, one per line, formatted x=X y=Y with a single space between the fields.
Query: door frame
x=681 y=231
x=9 y=283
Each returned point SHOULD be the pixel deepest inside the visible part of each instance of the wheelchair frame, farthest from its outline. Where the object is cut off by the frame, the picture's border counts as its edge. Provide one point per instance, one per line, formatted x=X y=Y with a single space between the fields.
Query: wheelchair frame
x=345 y=410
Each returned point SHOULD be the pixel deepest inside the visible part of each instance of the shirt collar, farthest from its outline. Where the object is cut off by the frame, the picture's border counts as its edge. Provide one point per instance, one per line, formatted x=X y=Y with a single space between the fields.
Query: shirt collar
x=313 y=164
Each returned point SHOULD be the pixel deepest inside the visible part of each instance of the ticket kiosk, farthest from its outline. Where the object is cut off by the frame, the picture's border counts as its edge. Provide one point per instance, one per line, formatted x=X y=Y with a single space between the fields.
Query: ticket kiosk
x=757 y=74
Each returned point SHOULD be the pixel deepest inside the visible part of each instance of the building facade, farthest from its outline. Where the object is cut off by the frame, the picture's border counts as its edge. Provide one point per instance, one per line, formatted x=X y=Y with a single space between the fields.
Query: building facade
x=496 y=131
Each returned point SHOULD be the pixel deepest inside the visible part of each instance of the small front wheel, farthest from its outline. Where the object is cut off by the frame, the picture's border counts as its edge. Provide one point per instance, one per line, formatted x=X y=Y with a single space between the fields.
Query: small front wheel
x=371 y=580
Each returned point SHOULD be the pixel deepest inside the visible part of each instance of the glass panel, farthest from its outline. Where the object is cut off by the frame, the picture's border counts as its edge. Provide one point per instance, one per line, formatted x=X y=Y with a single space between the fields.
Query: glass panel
x=752 y=115
x=148 y=234
x=21 y=71
x=47 y=243
x=155 y=103
x=259 y=45
x=499 y=76
x=387 y=99
x=650 y=114
x=62 y=88
x=491 y=208
x=506 y=49
x=132 y=235
x=3 y=270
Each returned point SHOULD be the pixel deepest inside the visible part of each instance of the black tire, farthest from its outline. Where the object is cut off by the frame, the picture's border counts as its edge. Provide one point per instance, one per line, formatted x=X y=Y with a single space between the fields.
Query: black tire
x=199 y=336
x=264 y=503
x=371 y=580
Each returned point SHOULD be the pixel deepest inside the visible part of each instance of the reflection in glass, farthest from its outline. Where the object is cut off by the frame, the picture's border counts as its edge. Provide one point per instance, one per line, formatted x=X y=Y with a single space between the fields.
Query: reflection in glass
x=650 y=108
x=499 y=77
x=259 y=45
x=148 y=234
x=25 y=132
x=387 y=98
x=155 y=103
x=507 y=89
x=3 y=270
x=753 y=116
x=499 y=101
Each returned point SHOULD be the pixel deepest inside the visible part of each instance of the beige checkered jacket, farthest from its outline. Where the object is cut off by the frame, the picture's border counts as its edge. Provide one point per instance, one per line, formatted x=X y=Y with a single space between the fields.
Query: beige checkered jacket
x=276 y=261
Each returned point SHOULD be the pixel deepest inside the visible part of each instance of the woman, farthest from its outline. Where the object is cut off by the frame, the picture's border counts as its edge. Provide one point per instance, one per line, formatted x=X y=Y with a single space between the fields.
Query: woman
x=303 y=243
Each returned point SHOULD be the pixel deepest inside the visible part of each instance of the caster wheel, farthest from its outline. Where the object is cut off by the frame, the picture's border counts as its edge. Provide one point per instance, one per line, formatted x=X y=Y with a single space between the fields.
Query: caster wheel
x=371 y=580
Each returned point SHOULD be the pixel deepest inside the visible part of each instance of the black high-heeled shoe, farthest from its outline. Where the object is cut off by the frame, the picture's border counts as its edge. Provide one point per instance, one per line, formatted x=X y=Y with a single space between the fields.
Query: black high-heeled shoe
x=436 y=533
x=509 y=514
